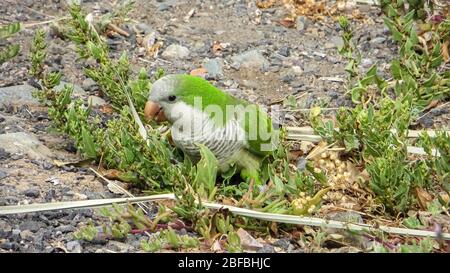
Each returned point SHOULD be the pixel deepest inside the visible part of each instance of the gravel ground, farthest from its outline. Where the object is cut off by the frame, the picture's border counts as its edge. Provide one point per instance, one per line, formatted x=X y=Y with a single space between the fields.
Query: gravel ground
x=260 y=60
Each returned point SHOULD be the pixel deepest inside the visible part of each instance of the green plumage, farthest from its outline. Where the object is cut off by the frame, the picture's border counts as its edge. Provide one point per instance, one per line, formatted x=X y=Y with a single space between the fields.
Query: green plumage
x=190 y=87
x=227 y=113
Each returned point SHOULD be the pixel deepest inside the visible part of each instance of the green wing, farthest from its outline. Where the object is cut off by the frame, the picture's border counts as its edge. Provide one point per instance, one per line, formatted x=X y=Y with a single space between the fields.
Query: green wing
x=261 y=136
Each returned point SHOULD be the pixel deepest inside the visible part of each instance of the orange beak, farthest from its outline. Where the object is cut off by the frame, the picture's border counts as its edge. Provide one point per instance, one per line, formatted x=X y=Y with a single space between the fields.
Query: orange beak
x=153 y=111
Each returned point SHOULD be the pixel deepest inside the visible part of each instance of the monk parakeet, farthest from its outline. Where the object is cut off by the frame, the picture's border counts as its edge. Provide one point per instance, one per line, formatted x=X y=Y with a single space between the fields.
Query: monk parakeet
x=235 y=131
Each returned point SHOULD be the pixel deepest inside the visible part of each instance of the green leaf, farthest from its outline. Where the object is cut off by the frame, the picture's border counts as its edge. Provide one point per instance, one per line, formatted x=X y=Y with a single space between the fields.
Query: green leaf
x=372 y=71
x=95 y=50
x=429 y=82
x=412 y=222
x=206 y=170
x=357 y=93
x=88 y=143
x=318 y=176
x=367 y=80
x=9 y=29
x=8 y=52
x=350 y=67
x=396 y=70
x=409 y=16
x=396 y=34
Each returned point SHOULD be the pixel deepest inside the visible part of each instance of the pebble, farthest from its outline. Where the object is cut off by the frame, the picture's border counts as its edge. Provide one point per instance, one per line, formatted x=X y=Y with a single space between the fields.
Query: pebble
x=297 y=70
x=4 y=226
x=31 y=225
x=247 y=241
x=3 y=175
x=26 y=234
x=119 y=246
x=284 y=51
x=337 y=42
x=366 y=62
x=24 y=143
x=266 y=249
x=250 y=59
x=10 y=246
x=287 y=78
x=301 y=23
x=378 y=40
x=31 y=193
x=282 y=243
x=89 y=85
x=74 y=247
x=147 y=29
x=426 y=121
x=250 y=84
x=175 y=52
x=17 y=95
x=213 y=68
x=95 y=101
x=301 y=164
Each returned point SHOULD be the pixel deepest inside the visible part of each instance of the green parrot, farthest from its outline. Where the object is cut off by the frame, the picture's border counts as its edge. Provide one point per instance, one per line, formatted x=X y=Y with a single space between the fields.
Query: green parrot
x=237 y=132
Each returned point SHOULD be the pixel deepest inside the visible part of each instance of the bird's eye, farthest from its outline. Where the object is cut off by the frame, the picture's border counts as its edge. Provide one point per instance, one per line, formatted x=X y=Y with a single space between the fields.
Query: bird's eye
x=172 y=98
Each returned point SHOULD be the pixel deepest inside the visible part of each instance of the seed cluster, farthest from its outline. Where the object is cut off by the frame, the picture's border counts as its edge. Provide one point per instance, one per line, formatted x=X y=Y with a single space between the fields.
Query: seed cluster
x=339 y=177
x=304 y=204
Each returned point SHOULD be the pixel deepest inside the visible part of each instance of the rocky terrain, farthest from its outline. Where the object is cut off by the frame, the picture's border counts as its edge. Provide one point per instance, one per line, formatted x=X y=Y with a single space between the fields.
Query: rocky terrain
x=240 y=48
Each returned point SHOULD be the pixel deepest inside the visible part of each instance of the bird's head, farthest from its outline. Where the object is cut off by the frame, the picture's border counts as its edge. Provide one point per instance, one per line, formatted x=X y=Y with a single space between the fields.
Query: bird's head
x=172 y=96
x=164 y=95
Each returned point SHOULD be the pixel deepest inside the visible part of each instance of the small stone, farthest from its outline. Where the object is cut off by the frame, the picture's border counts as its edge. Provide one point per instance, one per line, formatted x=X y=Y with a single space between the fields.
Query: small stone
x=163 y=7
x=247 y=241
x=16 y=143
x=174 y=52
x=31 y=225
x=284 y=51
x=346 y=216
x=329 y=45
x=4 y=226
x=89 y=85
x=426 y=121
x=250 y=84
x=119 y=246
x=297 y=70
x=147 y=29
x=3 y=175
x=282 y=243
x=250 y=59
x=213 y=68
x=32 y=193
x=65 y=228
x=266 y=249
x=10 y=246
x=366 y=62
x=287 y=78
x=333 y=94
x=336 y=42
x=228 y=83
x=301 y=23
x=74 y=247
x=378 y=40
x=15 y=232
x=47 y=165
x=18 y=95
x=26 y=235
x=301 y=163
x=95 y=101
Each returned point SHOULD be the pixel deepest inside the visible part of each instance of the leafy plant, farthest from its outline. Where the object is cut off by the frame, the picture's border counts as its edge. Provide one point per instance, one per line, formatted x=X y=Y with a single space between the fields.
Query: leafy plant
x=9 y=51
x=374 y=132
x=169 y=239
